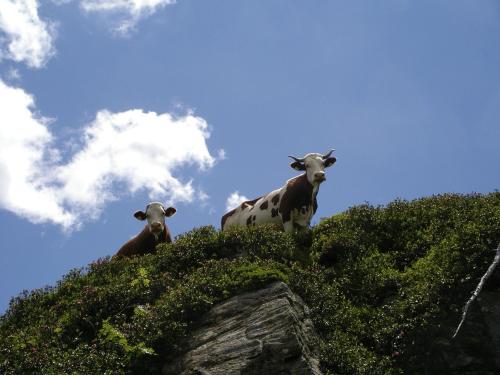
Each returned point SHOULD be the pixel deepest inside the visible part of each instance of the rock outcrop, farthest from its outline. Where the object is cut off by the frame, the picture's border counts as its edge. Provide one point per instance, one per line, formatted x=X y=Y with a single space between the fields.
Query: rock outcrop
x=262 y=332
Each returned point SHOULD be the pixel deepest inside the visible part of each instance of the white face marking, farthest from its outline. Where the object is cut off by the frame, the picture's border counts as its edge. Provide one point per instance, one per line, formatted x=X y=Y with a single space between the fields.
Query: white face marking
x=155 y=214
x=315 y=168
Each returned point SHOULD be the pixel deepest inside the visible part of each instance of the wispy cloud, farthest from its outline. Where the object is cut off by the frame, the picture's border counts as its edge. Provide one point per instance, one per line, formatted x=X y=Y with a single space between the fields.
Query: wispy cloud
x=24 y=36
x=13 y=75
x=234 y=200
x=125 y=14
x=121 y=153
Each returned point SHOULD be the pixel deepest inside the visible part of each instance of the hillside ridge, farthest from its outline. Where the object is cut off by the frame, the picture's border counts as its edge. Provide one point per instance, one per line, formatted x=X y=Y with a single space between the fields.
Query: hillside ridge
x=385 y=287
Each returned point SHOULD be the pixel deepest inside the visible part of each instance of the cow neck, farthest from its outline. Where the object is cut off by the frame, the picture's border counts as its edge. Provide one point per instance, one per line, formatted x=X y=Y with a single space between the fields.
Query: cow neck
x=162 y=237
x=312 y=188
x=315 y=188
x=300 y=192
x=146 y=234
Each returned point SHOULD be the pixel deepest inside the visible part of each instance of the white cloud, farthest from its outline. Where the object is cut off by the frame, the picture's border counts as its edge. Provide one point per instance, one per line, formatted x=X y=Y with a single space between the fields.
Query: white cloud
x=122 y=153
x=25 y=149
x=139 y=150
x=234 y=200
x=23 y=35
x=126 y=13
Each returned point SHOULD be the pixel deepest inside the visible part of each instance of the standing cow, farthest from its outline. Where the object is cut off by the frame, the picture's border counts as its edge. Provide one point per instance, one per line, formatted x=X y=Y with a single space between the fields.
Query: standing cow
x=292 y=205
x=154 y=233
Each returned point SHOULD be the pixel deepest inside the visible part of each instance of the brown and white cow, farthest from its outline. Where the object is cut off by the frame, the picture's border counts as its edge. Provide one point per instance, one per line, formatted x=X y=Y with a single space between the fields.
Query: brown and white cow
x=154 y=233
x=292 y=205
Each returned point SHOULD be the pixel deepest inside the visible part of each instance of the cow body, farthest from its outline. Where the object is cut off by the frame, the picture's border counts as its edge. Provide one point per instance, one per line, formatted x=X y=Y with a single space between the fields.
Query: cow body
x=144 y=243
x=292 y=205
x=154 y=233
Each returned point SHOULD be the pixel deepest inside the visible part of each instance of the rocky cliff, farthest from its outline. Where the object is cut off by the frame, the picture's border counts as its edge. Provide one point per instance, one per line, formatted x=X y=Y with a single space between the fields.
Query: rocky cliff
x=267 y=331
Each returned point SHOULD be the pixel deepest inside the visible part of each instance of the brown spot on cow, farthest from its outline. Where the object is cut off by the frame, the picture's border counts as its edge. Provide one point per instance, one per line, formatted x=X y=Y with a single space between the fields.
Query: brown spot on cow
x=250 y=203
x=249 y=221
x=298 y=194
x=264 y=205
x=274 y=212
x=275 y=200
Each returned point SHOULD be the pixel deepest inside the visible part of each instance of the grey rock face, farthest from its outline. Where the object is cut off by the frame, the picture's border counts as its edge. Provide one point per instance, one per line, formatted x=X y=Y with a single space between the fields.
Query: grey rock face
x=263 y=332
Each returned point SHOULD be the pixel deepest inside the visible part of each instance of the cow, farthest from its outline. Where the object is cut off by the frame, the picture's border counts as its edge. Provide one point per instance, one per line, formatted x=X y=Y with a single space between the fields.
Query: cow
x=291 y=206
x=154 y=233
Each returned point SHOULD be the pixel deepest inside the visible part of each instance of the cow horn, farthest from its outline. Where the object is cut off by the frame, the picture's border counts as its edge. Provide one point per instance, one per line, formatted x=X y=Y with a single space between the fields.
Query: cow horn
x=297 y=159
x=326 y=156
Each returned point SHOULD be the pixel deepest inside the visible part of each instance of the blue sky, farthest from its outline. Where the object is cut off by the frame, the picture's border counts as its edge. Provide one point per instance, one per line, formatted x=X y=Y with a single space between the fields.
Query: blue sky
x=107 y=105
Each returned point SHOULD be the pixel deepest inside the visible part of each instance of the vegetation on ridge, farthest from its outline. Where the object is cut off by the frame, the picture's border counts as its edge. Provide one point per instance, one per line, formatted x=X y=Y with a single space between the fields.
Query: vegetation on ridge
x=378 y=280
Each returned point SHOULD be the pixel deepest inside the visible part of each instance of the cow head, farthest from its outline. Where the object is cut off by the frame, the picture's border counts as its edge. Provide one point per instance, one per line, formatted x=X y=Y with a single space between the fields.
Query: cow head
x=155 y=214
x=314 y=165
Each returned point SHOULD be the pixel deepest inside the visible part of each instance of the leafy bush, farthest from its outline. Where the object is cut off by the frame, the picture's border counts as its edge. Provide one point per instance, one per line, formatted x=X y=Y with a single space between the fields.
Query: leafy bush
x=387 y=276
x=123 y=315
x=378 y=280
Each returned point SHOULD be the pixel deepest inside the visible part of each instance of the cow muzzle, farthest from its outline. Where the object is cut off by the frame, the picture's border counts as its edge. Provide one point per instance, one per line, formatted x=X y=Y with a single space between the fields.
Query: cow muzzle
x=319 y=177
x=156 y=227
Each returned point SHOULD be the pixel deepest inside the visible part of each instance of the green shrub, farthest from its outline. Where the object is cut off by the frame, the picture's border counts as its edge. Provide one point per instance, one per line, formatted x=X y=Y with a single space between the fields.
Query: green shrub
x=387 y=277
x=119 y=315
x=378 y=280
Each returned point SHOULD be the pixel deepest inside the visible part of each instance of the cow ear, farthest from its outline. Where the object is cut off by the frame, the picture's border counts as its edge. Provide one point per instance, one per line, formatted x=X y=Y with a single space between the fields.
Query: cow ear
x=329 y=162
x=140 y=215
x=170 y=211
x=298 y=166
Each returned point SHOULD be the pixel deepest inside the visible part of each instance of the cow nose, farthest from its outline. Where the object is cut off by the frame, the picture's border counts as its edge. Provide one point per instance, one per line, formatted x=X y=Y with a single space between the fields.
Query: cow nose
x=156 y=226
x=320 y=176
